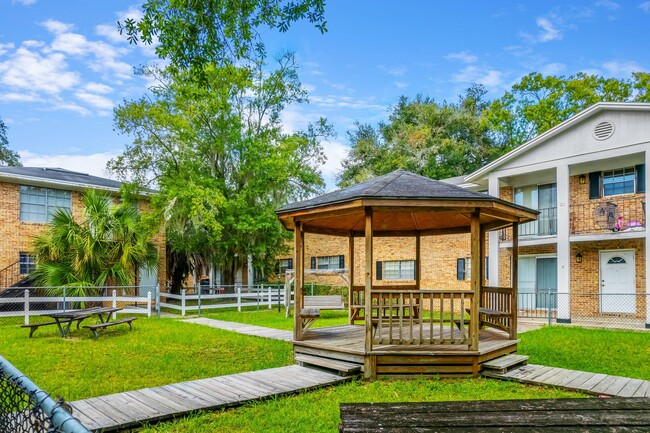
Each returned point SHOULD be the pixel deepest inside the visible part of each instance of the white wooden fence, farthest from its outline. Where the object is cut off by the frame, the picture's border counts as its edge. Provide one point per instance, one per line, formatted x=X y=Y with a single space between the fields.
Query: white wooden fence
x=210 y=298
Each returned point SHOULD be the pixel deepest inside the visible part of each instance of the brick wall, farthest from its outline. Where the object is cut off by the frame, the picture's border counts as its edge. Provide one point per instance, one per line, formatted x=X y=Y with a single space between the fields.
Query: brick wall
x=17 y=236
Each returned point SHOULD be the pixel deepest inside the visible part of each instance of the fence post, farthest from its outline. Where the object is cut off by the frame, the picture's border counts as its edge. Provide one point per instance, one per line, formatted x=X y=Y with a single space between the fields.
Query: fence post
x=312 y=288
x=149 y=303
x=158 y=300
x=26 y=307
x=238 y=298
x=183 y=302
x=270 y=297
x=114 y=302
x=548 y=303
x=279 y=299
x=200 y=289
x=64 y=303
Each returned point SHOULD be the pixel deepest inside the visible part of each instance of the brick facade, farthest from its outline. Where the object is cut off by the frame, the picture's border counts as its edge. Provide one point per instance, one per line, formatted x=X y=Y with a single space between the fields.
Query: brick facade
x=17 y=236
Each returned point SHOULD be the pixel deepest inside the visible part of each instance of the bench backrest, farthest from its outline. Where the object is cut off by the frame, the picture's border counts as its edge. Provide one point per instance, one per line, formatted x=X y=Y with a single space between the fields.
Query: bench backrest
x=324 y=302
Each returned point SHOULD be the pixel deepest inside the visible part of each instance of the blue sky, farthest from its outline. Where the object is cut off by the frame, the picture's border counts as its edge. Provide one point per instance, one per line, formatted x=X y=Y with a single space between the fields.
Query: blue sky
x=63 y=65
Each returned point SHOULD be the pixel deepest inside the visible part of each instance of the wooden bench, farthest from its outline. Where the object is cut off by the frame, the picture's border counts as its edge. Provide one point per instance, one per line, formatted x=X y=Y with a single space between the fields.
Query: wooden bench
x=489 y=416
x=34 y=326
x=325 y=302
x=95 y=328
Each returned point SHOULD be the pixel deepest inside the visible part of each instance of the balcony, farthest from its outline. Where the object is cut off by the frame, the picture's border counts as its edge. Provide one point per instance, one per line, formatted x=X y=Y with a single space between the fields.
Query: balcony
x=546 y=225
x=608 y=215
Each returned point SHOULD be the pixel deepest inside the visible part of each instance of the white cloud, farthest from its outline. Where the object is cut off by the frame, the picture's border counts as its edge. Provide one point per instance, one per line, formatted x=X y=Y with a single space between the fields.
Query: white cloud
x=336 y=152
x=94 y=164
x=18 y=97
x=309 y=88
x=645 y=6
x=338 y=101
x=56 y=27
x=608 y=4
x=620 y=68
x=397 y=71
x=98 y=88
x=462 y=56
x=110 y=32
x=474 y=74
x=96 y=101
x=6 y=47
x=25 y=2
x=400 y=84
x=69 y=106
x=549 y=31
x=35 y=72
x=553 y=68
x=33 y=44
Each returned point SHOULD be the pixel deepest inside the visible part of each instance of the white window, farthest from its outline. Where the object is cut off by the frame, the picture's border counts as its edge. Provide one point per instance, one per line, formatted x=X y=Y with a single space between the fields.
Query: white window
x=38 y=205
x=27 y=263
x=616 y=182
x=399 y=270
x=285 y=264
x=329 y=262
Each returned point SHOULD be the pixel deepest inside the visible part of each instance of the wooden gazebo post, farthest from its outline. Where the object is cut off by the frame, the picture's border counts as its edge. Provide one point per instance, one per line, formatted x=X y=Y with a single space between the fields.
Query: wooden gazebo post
x=299 y=244
x=514 y=283
x=368 y=289
x=475 y=227
x=351 y=274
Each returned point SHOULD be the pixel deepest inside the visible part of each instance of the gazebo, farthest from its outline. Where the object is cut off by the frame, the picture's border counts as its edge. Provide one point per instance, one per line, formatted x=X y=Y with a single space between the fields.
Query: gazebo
x=409 y=329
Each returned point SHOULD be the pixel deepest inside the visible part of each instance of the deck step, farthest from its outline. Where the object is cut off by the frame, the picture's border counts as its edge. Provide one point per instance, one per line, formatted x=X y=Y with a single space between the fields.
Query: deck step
x=342 y=367
x=502 y=364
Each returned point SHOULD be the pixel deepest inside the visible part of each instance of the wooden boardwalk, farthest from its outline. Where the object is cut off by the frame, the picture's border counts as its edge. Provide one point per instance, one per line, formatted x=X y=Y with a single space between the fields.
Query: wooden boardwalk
x=591 y=383
x=242 y=328
x=131 y=409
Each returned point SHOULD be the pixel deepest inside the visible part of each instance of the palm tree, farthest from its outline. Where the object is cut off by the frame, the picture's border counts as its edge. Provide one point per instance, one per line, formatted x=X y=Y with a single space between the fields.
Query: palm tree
x=107 y=247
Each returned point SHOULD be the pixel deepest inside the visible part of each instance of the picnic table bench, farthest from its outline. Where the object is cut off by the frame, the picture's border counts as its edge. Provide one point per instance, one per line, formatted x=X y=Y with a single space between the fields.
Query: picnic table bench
x=313 y=305
x=104 y=325
x=490 y=416
x=63 y=320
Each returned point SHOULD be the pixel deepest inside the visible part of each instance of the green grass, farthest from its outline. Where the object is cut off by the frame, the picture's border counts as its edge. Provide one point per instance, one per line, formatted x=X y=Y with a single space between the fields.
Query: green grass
x=318 y=411
x=156 y=352
x=619 y=353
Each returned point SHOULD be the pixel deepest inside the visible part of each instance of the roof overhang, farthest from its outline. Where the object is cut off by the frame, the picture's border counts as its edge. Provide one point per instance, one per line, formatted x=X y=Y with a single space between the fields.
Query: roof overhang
x=62 y=184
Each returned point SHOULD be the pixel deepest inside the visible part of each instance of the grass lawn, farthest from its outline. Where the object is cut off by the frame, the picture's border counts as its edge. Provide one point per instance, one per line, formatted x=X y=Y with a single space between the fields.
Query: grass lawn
x=273 y=319
x=615 y=352
x=318 y=411
x=156 y=352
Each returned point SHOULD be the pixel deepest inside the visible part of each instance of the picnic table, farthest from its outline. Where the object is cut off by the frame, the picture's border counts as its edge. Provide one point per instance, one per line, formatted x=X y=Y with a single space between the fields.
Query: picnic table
x=556 y=415
x=63 y=320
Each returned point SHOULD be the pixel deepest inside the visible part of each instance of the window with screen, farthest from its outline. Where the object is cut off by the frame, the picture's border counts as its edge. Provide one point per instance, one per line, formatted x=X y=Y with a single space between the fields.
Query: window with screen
x=38 y=205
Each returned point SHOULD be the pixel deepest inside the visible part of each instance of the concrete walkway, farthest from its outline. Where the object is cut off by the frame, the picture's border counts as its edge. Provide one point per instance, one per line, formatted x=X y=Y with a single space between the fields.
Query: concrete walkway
x=242 y=328
x=131 y=409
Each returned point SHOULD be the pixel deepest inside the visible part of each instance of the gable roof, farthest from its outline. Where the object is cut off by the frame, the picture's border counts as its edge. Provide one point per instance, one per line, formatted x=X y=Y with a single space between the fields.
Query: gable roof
x=58 y=177
x=558 y=129
x=399 y=184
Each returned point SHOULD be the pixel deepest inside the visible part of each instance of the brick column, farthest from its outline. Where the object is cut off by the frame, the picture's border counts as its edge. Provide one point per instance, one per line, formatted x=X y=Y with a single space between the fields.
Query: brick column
x=493 y=238
x=563 y=245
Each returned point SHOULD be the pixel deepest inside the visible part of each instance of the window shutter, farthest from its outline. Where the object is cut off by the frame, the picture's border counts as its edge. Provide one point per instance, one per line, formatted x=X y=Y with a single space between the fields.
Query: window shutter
x=313 y=262
x=594 y=185
x=640 y=178
x=460 y=269
x=341 y=262
x=290 y=264
x=379 y=270
x=487 y=267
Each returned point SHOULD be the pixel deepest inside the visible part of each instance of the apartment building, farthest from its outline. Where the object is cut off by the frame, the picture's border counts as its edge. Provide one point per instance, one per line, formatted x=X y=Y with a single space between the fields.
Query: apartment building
x=588 y=248
x=29 y=196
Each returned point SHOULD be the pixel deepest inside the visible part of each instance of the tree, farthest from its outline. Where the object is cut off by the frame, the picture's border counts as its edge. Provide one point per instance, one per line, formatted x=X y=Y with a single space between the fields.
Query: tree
x=537 y=102
x=107 y=247
x=7 y=156
x=196 y=33
x=437 y=140
x=222 y=164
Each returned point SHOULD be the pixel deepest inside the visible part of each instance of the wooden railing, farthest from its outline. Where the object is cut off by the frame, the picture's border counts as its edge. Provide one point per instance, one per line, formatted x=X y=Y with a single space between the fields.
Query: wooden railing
x=417 y=317
x=495 y=308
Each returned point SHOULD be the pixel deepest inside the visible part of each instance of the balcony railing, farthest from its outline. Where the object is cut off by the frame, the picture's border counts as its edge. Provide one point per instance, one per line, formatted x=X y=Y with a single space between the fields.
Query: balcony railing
x=546 y=225
x=608 y=214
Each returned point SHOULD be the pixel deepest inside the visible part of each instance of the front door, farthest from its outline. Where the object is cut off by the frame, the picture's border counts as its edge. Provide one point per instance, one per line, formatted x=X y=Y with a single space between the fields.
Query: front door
x=617 y=282
x=546 y=282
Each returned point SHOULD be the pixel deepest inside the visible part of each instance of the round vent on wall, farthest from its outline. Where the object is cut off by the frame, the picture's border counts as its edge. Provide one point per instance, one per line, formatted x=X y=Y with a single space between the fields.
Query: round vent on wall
x=604 y=130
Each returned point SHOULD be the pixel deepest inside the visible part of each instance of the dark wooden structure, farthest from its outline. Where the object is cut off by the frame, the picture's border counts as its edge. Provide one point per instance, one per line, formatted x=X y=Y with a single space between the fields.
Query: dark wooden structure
x=409 y=329
x=488 y=416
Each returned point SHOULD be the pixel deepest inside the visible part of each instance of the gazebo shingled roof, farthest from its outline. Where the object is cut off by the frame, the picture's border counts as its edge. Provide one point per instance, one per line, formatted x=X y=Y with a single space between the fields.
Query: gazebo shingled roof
x=416 y=197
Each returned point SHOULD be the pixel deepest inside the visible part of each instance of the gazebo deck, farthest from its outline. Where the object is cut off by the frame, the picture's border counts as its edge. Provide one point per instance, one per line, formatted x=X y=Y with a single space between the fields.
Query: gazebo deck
x=346 y=343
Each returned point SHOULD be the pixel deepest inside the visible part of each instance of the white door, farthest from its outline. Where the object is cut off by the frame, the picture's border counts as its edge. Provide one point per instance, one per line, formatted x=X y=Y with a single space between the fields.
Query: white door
x=526 y=283
x=148 y=281
x=617 y=282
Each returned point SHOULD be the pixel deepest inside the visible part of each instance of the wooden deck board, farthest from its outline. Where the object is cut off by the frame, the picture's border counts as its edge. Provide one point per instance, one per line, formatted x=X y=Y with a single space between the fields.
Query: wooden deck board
x=592 y=383
x=241 y=328
x=129 y=409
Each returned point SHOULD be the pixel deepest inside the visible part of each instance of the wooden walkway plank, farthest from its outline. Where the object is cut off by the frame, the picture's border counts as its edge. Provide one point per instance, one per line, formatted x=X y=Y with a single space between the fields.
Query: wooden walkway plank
x=241 y=328
x=592 y=383
x=129 y=409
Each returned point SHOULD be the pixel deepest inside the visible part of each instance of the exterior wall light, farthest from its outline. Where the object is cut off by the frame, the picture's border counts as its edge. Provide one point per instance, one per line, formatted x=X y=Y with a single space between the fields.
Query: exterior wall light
x=582 y=179
x=579 y=258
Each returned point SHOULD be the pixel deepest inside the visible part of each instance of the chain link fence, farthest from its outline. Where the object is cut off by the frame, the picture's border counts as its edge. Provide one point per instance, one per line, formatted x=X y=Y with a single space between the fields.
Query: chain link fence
x=593 y=309
x=25 y=408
